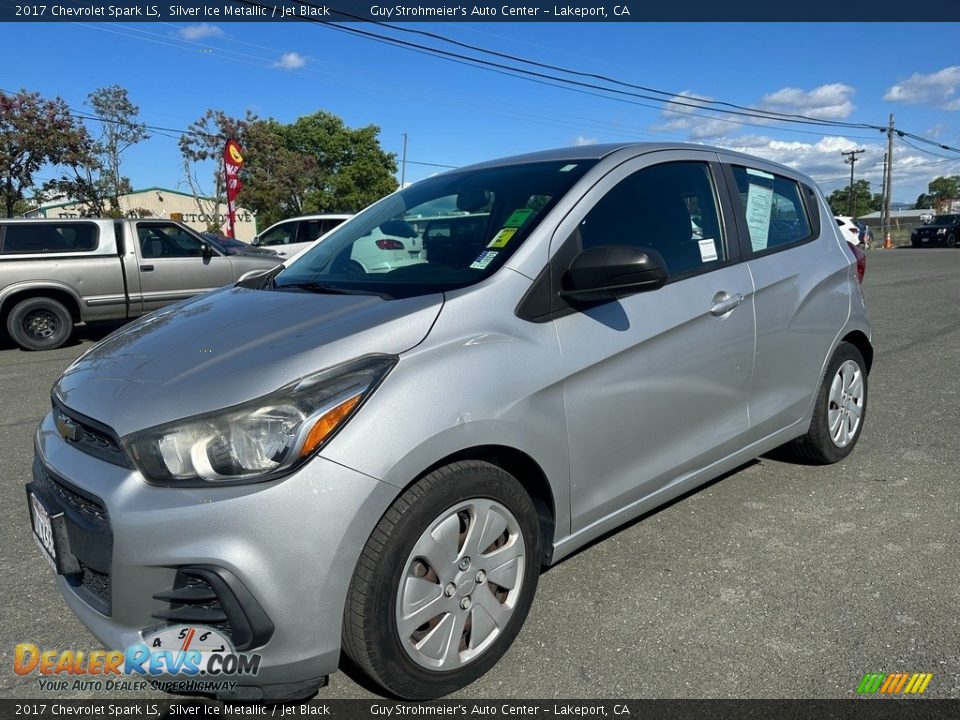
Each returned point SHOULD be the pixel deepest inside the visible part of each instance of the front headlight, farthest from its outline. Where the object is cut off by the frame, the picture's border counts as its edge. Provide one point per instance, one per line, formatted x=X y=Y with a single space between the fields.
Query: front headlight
x=941 y=231
x=257 y=440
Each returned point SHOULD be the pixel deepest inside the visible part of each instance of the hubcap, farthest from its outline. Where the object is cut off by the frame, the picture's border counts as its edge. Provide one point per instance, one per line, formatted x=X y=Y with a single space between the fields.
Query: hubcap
x=41 y=324
x=460 y=584
x=846 y=404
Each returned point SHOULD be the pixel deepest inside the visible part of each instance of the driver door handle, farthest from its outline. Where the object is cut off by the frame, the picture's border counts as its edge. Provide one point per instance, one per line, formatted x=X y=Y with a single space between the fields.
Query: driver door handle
x=724 y=302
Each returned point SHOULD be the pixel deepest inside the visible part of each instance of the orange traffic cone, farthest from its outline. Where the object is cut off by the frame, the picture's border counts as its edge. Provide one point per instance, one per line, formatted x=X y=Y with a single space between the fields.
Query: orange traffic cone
x=887 y=242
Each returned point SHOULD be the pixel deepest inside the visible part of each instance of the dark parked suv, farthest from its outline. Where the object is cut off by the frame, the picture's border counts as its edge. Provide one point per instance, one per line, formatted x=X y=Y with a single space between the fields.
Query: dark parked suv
x=942 y=231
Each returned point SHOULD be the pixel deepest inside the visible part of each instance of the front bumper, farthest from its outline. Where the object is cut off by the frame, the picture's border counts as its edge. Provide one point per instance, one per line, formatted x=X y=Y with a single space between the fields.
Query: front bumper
x=291 y=544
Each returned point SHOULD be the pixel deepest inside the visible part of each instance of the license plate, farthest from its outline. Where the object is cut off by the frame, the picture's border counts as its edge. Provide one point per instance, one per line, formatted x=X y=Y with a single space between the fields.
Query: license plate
x=924 y=239
x=43 y=530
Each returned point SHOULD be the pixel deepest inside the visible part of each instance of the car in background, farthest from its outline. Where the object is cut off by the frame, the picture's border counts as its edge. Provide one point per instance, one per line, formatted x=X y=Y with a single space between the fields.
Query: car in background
x=942 y=231
x=288 y=237
x=395 y=243
x=848 y=229
x=232 y=246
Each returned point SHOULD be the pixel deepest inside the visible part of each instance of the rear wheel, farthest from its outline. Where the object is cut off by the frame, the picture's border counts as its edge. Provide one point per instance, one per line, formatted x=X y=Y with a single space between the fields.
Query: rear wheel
x=39 y=323
x=839 y=411
x=445 y=581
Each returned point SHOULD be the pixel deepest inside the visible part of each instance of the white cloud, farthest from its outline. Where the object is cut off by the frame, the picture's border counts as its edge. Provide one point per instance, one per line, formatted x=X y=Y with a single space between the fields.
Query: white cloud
x=702 y=126
x=829 y=102
x=290 y=61
x=939 y=88
x=580 y=140
x=198 y=32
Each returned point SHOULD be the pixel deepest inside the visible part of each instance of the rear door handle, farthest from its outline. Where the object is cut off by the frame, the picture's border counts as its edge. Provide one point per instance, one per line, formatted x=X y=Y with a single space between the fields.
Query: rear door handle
x=724 y=302
x=146 y=268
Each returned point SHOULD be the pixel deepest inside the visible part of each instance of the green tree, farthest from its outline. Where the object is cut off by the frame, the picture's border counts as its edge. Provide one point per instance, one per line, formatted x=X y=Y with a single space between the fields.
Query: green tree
x=316 y=164
x=203 y=144
x=34 y=133
x=864 y=201
x=99 y=182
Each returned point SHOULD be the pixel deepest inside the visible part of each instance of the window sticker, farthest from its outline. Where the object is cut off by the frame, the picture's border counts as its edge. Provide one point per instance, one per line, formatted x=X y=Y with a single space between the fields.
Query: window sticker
x=501 y=239
x=759 y=205
x=708 y=250
x=518 y=217
x=485 y=258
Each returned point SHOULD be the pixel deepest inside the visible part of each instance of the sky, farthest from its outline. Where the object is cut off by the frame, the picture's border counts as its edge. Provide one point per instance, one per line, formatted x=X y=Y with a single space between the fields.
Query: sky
x=454 y=114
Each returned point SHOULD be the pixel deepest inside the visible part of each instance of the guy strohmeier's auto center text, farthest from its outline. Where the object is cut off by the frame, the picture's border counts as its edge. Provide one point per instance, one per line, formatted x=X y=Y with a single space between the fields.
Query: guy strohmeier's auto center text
x=513 y=11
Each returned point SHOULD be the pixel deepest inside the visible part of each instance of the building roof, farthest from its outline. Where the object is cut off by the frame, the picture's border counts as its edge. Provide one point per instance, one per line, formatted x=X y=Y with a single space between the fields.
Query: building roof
x=44 y=206
x=903 y=213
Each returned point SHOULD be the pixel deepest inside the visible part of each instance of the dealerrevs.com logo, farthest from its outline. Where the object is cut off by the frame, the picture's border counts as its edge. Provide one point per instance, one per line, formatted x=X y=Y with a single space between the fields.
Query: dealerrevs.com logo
x=894 y=683
x=198 y=658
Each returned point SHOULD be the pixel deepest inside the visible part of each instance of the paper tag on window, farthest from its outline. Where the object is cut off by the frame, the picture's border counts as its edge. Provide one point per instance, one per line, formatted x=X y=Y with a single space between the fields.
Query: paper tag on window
x=708 y=251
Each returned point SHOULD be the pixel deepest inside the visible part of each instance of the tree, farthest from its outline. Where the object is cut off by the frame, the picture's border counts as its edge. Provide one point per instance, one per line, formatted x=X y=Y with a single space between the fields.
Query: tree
x=316 y=164
x=865 y=200
x=204 y=142
x=35 y=132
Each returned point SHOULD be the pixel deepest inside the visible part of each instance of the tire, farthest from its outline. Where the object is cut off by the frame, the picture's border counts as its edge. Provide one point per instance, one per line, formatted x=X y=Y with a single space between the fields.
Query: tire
x=836 y=426
x=951 y=240
x=39 y=323
x=444 y=578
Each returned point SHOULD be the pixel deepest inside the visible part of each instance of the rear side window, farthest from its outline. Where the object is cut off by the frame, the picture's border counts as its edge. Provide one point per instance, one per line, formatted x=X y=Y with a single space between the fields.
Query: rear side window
x=773 y=205
x=28 y=238
x=670 y=208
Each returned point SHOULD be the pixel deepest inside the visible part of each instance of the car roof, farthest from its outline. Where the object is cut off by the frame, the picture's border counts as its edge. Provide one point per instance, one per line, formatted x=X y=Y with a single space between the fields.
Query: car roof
x=599 y=151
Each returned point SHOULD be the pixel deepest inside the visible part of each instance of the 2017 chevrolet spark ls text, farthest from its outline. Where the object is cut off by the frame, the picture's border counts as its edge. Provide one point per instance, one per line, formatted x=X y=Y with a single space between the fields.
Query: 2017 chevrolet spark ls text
x=317 y=458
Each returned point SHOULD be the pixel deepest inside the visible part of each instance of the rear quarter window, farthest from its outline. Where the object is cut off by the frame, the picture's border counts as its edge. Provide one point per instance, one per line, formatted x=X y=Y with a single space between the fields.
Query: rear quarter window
x=775 y=209
x=27 y=238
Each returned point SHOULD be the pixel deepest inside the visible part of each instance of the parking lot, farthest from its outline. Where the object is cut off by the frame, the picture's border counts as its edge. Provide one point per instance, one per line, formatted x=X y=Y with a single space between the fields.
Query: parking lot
x=778 y=580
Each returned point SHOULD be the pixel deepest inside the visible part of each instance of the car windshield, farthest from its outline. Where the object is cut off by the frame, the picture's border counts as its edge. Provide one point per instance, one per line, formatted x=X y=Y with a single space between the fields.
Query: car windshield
x=440 y=234
x=946 y=220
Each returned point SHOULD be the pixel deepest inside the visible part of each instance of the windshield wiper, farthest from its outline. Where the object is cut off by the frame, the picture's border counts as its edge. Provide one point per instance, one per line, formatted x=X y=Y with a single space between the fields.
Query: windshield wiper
x=325 y=289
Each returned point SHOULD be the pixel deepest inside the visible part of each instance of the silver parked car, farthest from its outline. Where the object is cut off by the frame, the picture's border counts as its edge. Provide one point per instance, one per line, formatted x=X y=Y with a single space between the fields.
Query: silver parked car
x=317 y=458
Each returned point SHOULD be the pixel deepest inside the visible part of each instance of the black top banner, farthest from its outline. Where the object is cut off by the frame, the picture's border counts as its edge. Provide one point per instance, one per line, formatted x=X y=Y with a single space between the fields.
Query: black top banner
x=514 y=11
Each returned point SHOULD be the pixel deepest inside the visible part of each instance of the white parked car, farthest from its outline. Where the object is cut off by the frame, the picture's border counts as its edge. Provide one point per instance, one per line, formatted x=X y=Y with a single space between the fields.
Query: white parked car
x=848 y=228
x=288 y=237
x=387 y=247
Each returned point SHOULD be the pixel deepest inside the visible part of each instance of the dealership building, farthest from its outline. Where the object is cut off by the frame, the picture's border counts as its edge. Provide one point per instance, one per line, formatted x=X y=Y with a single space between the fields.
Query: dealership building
x=159 y=202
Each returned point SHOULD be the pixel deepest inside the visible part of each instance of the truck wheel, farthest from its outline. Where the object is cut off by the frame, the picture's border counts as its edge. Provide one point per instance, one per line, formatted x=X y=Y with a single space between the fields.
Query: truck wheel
x=39 y=323
x=951 y=240
x=444 y=582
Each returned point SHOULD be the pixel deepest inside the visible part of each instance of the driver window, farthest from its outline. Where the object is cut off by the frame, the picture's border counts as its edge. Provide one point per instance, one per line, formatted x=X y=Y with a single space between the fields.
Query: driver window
x=159 y=240
x=670 y=208
x=280 y=235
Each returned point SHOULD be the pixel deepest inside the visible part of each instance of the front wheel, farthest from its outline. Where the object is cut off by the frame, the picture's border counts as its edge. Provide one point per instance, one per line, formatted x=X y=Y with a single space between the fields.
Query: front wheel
x=839 y=411
x=39 y=323
x=445 y=581
x=951 y=240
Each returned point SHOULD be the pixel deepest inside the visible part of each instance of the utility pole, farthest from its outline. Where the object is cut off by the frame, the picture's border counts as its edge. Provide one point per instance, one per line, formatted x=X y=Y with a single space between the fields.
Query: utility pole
x=403 y=162
x=852 y=160
x=887 y=240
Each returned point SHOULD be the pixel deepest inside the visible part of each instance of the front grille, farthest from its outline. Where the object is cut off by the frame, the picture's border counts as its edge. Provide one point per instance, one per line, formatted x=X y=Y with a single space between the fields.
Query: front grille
x=90 y=537
x=89 y=436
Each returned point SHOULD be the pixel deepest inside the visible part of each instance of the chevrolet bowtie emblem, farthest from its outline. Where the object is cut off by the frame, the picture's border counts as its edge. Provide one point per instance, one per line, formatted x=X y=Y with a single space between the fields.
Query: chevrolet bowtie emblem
x=67 y=428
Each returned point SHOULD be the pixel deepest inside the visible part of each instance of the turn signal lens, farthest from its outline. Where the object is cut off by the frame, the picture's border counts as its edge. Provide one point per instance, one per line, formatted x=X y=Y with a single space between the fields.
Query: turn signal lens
x=327 y=423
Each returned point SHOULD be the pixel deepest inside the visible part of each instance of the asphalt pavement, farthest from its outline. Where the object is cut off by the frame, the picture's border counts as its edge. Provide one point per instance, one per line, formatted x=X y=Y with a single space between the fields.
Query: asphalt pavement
x=776 y=581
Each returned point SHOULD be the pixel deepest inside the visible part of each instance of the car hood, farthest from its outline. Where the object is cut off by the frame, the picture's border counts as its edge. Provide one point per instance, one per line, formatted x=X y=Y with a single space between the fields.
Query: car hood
x=229 y=346
x=938 y=226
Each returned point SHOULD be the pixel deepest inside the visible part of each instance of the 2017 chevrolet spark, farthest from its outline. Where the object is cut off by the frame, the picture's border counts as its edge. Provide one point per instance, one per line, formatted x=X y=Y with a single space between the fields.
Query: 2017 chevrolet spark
x=318 y=458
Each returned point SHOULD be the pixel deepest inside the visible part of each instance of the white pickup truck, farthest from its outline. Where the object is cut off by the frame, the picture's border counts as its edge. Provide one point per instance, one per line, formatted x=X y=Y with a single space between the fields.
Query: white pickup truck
x=57 y=273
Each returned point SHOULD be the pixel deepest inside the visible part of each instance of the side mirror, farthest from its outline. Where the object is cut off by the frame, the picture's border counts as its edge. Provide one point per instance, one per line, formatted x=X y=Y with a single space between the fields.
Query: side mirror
x=256 y=240
x=205 y=249
x=612 y=271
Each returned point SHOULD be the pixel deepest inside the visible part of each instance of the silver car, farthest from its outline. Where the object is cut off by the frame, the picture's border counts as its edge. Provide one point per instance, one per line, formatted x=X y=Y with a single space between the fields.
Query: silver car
x=318 y=459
